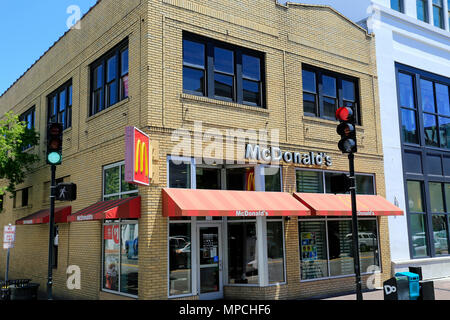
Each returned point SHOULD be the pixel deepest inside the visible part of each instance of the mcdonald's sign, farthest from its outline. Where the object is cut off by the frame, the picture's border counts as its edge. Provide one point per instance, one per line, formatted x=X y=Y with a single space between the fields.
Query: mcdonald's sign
x=137 y=157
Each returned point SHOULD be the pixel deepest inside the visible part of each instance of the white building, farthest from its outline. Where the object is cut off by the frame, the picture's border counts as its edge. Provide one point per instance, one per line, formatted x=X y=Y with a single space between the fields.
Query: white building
x=413 y=60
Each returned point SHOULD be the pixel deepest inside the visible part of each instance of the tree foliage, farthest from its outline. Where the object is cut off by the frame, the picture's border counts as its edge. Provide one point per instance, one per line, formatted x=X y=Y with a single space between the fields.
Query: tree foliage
x=15 y=160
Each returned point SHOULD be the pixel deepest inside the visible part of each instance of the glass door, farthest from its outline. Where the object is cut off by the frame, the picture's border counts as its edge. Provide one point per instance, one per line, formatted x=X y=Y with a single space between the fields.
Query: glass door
x=210 y=261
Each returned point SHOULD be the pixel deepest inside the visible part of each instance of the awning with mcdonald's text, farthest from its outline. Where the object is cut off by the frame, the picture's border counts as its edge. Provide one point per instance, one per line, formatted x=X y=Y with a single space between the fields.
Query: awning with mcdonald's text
x=202 y=203
x=322 y=204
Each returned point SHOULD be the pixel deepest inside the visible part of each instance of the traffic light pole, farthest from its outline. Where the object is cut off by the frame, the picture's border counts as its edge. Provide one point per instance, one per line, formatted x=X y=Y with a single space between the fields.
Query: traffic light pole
x=359 y=296
x=51 y=233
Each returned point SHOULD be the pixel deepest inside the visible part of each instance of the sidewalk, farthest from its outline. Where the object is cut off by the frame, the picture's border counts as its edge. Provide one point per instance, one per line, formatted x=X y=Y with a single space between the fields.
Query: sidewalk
x=441 y=292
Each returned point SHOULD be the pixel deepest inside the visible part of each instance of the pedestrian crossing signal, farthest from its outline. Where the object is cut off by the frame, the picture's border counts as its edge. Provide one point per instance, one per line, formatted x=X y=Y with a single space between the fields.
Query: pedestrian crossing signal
x=66 y=192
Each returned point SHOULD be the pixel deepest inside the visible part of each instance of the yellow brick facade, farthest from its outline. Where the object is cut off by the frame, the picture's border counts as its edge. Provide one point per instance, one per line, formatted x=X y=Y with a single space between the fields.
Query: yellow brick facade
x=289 y=36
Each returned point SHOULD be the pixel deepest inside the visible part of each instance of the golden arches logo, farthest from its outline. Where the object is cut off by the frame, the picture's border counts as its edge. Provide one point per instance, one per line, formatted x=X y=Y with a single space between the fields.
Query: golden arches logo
x=141 y=158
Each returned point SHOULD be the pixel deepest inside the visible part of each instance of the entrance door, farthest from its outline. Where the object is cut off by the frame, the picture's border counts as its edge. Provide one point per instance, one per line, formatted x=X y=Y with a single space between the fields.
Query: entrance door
x=210 y=261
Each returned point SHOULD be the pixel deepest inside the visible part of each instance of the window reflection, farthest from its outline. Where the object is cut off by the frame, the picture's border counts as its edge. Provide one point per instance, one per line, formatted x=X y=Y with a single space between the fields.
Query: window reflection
x=418 y=235
x=180 y=258
x=242 y=257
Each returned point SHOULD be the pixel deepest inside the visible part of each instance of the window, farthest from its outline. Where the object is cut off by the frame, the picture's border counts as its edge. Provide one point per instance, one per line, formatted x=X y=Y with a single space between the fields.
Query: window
x=59 y=105
x=222 y=71
x=275 y=250
x=324 y=92
x=180 y=258
x=242 y=252
x=29 y=118
x=422 y=10
x=438 y=13
x=397 y=5
x=416 y=214
x=326 y=247
x=439 y=217
x=109 y=78
x=2 y=202
x=114 y=185
x=424 y=103
x=120 y=257
x=314 y=181
x=272 y=178
x=179 y=173
x=22 y=198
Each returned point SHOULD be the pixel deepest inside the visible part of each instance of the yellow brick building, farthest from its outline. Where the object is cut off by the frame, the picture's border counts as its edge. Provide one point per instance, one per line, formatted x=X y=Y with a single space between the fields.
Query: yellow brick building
x=126 y=66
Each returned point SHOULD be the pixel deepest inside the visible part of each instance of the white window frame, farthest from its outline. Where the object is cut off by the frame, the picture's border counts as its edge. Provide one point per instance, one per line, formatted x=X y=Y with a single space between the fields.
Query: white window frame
x=120 y=193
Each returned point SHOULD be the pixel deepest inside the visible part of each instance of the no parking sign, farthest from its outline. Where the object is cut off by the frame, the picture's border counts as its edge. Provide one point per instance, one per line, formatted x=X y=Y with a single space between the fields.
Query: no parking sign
x=9 y=236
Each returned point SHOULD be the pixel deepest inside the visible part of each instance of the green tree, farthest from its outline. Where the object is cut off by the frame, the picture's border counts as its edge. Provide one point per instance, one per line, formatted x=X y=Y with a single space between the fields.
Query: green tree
x=15 y=138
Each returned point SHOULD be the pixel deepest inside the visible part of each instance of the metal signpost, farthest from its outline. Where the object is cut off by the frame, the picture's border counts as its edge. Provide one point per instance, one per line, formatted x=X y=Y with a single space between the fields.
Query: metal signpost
x=9 y=236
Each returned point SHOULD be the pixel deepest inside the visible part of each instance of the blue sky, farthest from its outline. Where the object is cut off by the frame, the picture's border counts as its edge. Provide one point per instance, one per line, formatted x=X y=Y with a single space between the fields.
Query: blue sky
x=27 y=29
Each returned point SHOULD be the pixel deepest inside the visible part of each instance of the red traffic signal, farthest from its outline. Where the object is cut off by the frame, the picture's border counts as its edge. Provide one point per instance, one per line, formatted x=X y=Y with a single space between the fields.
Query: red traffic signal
x=344 y=114
x=346 y=129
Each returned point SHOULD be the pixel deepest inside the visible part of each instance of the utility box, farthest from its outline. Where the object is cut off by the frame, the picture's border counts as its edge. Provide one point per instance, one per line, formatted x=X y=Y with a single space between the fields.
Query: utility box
x=396 y=288
x=413 y=284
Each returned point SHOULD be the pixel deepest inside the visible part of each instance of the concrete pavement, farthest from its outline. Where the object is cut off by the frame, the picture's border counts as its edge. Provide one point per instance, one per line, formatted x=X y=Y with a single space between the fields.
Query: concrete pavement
x=441 y=292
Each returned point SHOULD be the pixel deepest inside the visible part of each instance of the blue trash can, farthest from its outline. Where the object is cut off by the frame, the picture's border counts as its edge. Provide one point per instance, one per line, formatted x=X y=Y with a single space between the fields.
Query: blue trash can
x=414 y=286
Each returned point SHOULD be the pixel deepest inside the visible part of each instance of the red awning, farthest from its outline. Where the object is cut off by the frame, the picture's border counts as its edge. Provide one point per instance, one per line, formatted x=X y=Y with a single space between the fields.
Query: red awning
x=128 y=208
x=341 y=205
x=43 y=216
x=195 y=202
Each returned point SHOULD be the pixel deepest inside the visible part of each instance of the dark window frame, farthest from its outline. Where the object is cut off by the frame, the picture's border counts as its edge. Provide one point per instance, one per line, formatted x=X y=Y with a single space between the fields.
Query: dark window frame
x=64 y=116
x=441 y=14
x=320 y=96
x=118 y=80
x=23 y=117
x=418 y=75
x=426 y=14
x=238 y=76
x=401 y=6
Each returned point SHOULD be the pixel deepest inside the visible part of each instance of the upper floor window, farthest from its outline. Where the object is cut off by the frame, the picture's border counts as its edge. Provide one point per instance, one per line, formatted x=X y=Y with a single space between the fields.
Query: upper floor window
x=222 y=71
x=438 y=13
x=424 y=103
x=422 y=10
x=324 y=92
x=29 y=117
x=109 y=78
x=22 y=198
x=60 y=105
x=397 y=5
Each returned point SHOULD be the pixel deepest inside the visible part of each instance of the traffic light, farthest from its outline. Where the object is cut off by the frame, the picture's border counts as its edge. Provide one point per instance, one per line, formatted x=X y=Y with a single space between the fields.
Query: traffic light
x=346 y=129
x=66 y=192
x=54 y=143
x=340 y=183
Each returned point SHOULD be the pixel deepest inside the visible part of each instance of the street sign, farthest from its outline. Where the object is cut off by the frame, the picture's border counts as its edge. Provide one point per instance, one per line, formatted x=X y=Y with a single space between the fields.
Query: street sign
x=9 y=236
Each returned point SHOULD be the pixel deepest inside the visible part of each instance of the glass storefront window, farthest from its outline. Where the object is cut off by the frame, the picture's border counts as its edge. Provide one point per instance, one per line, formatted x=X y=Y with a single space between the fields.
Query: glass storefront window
x=272 y=179
x=418 y=235
x=180 y=259
x=340 y=247
x=208 y=178
x=179 y=174
x=436 y=198
x=129 y=265
x=415 y=203
x=275 y=251
x=326 y=247
x=241 y=178
x=368 y=244
x=120 y=257
x=364 y=184
x=440 y=233
x=313 y=249
x=242 y=253
x=309 y=181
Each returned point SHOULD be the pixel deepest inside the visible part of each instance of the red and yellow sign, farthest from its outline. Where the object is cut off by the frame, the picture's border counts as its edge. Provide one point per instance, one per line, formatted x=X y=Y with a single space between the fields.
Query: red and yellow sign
x=137 y=157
